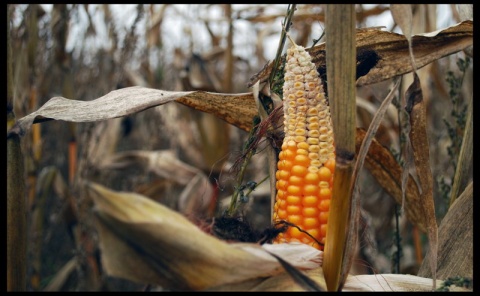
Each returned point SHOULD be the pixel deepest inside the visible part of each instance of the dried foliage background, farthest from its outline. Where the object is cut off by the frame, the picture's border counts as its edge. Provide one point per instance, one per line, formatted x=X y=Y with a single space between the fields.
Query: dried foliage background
x=161 y=151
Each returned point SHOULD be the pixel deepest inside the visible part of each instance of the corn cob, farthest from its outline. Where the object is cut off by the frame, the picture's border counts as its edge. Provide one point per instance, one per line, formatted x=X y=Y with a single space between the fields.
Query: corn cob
x=304 y=177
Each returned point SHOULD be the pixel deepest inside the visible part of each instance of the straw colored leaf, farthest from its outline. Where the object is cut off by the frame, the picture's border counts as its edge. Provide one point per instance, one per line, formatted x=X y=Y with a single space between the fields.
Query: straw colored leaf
x=143 y=241
x=392 y=282
x=354 y=283
x=464 y=171
x=386 y=54
x=233 y=108
x=455 y=240
x=402 y=15
x=382 y=165
x=61 y=277
x=361 y=155
x=301 y=279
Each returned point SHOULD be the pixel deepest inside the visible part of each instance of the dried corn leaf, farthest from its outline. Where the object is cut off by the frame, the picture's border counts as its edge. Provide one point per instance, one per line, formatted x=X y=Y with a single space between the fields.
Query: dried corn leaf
x=236 y=109
x=354 y=283
x=383 y=55
x=143 y=241
x=379 y=160
x=361 y=155
x=382 y=165
x=402 y=14
x=455 y=240
x=301 y=279
x=239 y=109
x=464 y=170
x=421 y=157
x=61 y=277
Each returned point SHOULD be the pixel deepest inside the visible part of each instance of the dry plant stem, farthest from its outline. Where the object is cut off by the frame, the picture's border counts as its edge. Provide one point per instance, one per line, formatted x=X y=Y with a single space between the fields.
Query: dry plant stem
x=286 y=27
x=228 y=83
x=45 y=182
x=16 y=216
x=464 y=171
x=233 y=203
x=272 y=156
x=341 y=71
x=16 y=203
x=72 y=160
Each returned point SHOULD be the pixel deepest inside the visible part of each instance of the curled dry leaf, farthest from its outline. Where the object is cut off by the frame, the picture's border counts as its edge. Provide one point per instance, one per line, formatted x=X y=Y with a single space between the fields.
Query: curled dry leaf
x=402 y=14
x=382 y=165
x=352 y=238
x=382 y=55
x=354 y=283
x=61 y=277
x=421 y=157
x=379 y=160
x=146 y=242
x=455 y=240
x=236 y=109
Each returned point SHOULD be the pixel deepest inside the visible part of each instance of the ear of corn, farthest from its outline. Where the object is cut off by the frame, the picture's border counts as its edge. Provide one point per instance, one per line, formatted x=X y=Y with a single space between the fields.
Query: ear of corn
x=307 y=160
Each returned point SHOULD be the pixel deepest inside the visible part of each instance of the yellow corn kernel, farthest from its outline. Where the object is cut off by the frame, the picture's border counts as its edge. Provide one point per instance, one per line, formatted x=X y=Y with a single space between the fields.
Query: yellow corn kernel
x=306 y=165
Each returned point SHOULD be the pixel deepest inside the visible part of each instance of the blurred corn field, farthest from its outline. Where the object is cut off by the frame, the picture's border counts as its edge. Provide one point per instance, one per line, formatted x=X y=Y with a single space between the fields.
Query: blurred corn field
x=191 y=155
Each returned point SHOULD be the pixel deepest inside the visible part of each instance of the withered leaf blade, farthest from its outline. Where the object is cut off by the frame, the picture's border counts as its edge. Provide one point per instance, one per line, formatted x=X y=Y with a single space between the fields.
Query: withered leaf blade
x=392 y=51
x=402 y=14
x=301 y=279
x=385 y=169
x=421 y=157
x=361 y=155
x=236 y=109
x=455 y=240
x=146 y=242
x=359 y=283
x=58 y=281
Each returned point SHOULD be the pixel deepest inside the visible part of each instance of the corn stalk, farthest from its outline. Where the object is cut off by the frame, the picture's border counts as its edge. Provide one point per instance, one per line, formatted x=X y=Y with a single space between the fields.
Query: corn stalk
x=16 y=204
x=341 y=71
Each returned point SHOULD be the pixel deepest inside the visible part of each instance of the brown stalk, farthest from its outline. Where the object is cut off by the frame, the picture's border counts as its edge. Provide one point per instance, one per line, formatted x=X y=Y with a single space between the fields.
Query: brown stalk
x=227 y=82
x=38 y=212
x=16 y=204
x=341 y=71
